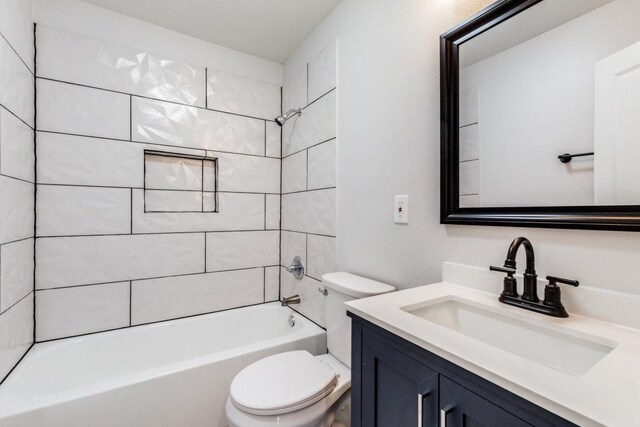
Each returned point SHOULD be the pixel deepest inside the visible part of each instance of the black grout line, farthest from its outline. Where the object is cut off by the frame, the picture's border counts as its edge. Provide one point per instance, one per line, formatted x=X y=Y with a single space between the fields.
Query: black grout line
x=17 y=179
x=130 y=301
x=18 y=55
x=318 y=99
x=264 y=284
x=19 y=360
x=308 y=318
x=153 y=99
x=308 y=191
x=17 y=240
x=17 y=302
x=175 y=147
x=47 y=184
x=306 y=185
x=153 y=278
x=307 y=84
x=157 y=233
x=18 y=117
x=308 y=233
x=35 y=173
x=280 y=207
x=130 y=118
x=167 y=320
x=205 y=252
x=470 y=124
x=131 y=213
x=308 y=148
x=467 y=161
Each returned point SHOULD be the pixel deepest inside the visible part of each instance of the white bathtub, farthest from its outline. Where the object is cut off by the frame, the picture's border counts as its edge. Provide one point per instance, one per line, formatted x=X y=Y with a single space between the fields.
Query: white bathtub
x=174 y=373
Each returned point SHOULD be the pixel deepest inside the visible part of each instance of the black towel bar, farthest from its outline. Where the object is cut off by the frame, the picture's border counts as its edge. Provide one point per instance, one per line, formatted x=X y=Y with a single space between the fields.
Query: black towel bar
x=566 y=157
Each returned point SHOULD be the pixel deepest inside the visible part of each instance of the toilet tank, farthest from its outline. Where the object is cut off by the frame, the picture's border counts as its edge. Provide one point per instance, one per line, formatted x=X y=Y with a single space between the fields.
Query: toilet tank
x=343 y=287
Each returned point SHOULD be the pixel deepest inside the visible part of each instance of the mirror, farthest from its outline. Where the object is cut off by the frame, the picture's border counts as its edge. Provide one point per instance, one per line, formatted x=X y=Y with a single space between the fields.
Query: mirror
x=541 y=115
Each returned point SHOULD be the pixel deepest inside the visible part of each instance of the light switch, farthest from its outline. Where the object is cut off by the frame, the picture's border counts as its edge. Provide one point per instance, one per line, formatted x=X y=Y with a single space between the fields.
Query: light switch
x=401 y=210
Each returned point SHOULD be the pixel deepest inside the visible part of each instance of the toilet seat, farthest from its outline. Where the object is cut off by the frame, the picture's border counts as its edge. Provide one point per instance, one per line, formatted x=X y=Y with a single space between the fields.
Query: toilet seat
x=282 y=383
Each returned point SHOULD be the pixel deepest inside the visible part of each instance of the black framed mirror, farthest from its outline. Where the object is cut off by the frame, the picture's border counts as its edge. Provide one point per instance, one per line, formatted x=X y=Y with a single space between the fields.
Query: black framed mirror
x=540 y=116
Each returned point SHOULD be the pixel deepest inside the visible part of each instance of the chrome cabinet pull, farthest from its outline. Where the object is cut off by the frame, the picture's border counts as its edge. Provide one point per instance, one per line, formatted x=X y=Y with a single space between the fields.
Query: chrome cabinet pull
x=443 y=415
x=420 y=409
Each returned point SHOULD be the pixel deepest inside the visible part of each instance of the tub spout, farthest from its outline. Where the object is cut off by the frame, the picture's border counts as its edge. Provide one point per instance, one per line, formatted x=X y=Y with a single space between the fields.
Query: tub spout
x=294 y=299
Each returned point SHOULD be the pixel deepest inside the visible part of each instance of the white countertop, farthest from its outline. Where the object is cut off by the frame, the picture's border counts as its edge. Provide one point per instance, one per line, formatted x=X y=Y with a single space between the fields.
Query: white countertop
x=607 y=394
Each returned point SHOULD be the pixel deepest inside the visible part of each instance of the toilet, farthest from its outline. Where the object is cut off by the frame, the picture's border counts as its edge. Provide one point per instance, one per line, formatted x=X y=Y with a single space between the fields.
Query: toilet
x=295 y=388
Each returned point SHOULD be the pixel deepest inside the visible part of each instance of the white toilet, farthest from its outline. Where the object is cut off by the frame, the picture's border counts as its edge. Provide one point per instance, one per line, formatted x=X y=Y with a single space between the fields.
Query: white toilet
x=296 y=389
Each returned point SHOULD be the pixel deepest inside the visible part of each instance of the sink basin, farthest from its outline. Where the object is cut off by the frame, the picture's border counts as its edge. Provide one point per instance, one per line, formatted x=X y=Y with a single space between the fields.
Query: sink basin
x=553 y=346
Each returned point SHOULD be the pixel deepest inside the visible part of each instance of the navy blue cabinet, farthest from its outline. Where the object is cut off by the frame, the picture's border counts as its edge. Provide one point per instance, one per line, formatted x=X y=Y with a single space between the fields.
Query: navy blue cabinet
x=396 y=383
x=460 y=407
x=396 y=390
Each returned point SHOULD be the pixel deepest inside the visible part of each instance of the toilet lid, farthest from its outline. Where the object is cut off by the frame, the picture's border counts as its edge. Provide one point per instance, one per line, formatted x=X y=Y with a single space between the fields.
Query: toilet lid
x=282 y=383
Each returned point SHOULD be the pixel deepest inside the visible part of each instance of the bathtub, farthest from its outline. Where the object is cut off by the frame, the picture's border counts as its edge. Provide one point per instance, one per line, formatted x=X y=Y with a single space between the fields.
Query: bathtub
x=175 y=373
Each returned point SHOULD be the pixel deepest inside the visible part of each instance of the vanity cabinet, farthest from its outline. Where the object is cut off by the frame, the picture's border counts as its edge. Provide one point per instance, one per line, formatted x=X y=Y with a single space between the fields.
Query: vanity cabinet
x=396 y=383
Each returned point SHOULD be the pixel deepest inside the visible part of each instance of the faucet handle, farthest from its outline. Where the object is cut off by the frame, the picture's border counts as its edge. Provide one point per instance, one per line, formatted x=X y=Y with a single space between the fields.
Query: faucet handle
x=509 y=271
x=552 y=294
x=510 y=285
x=553 y=281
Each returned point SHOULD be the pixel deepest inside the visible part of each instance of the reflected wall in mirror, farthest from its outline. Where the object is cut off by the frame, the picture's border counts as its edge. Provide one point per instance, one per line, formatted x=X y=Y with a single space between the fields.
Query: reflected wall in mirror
x=542 y=100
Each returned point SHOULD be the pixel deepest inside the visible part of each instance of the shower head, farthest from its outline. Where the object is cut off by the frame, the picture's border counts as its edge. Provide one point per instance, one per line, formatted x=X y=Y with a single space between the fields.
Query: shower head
x=282 y=118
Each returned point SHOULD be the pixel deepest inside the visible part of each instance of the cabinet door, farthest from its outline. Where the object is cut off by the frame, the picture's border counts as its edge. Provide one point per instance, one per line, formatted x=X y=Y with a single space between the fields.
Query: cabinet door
x=461 y=407
x=396 y=389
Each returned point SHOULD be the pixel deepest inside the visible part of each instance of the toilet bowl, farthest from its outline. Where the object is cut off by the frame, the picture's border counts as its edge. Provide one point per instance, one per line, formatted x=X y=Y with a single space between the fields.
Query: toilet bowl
x=295 y=388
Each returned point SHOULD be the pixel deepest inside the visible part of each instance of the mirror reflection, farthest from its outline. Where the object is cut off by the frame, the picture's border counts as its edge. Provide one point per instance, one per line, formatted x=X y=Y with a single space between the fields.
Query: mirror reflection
x=550 y=107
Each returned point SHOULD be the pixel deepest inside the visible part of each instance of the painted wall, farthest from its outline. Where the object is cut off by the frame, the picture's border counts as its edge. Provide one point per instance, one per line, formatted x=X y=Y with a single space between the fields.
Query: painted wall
x=125 y=237
x=389 y=127
x=16 y=181
x=309 y=179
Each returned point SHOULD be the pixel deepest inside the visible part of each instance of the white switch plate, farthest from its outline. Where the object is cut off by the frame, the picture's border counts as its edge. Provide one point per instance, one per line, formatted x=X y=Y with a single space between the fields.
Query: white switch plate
x=401 y=210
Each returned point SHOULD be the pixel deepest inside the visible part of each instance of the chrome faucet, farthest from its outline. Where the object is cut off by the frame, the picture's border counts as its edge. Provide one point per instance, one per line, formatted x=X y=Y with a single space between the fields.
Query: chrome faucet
x=552 y=304
x=296 y=268
x=294 y=299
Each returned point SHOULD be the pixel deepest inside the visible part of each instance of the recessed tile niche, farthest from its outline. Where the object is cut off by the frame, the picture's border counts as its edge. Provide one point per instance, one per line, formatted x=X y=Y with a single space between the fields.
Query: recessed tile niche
x=175 y=182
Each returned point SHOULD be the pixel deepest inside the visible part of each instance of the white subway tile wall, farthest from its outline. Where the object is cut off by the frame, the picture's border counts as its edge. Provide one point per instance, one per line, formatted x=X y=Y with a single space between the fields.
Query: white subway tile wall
x=16 y=149
x=242 y=249
x=108 y=254
x=74 y=211
x=16 y=83
x=17 y=186
x=315 y=125
x=82 y=310
x=79 y=110
x=98 y=63
x=174 y=297
x=172 y=124
x=16 y=333
x=322 y=73
x=321 y=252
x=235 y=94
x=294 y=173
x=309 y=181
x=16 y=274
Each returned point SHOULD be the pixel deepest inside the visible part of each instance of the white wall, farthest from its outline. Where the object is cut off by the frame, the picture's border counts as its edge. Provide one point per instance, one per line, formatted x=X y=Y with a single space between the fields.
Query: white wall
x=536 y=100
x=389 y=127
x=124 y=238
x=16 y=182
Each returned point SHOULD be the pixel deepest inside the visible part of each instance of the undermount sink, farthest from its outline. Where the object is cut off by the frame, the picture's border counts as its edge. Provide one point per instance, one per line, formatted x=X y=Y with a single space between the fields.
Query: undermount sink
x=566 y=351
